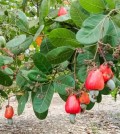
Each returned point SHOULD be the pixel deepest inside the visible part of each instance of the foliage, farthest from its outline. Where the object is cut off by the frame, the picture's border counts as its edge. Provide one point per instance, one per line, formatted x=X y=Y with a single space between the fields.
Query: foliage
x=72 y=44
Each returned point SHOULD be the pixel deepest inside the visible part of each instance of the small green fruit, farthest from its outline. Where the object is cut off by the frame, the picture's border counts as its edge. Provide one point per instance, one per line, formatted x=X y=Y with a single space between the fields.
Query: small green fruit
x=111 y=84
x=83 y=106
x=10 y=121
x=72 y=118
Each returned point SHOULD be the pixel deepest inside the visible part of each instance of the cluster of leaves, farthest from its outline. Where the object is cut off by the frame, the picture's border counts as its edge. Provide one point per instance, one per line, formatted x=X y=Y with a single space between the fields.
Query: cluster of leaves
x=69 y=41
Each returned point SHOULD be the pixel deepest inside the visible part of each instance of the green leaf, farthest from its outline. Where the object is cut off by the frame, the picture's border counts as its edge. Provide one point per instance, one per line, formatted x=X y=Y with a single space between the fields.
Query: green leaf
x=116 y=19
x=109 y=56
x=37 y=76
x=16 y=41
x=21 y=20
x=52 y=13
x=114 y=93
x=42 y=63
x=93 y=6
x=105 y=91
x=86 y=55
x=3 y=94
x=42 y=98
x=90 y=106
x=5 y=60
x=21 y=103
x=113 y=34
x=38 y=32
x=63 y=37
x=99 y=97
x=117 y=81
x=41 y=116
x=1 y=61
x=110 y=4
x=5 y=80
x=63 y=97
x=63 y=82
x=22 y=47
x=44 y=10
x=77 y=15
x=21 y=80
x=8 y=71
x=60 y=54
x=82 y=73
x=117 y=4
x=46 y=46
x=54 y=25
x=33 y=22
x=64 y=65
x=93 y=29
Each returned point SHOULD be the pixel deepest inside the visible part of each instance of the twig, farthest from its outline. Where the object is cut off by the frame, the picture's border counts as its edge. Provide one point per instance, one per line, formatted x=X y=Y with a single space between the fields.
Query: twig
x=75 y=68
x=100 y=43
x=9 y=53
x=96 y=53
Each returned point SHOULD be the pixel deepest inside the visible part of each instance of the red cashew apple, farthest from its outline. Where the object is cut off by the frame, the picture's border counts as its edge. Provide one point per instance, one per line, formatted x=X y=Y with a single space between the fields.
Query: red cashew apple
x=106 y=71
x=94 y=80
x=62 y=11
x=9 y=112
x=72 y=107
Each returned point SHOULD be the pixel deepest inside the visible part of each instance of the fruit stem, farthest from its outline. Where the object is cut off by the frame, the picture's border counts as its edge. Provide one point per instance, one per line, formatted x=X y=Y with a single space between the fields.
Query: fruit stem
x=8 y=101
x=96 y=53
x=100 y=43
x=75 y=68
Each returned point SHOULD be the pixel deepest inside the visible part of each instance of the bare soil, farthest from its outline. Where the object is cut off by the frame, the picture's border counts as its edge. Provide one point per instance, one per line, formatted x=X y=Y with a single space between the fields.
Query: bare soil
x=104 y=118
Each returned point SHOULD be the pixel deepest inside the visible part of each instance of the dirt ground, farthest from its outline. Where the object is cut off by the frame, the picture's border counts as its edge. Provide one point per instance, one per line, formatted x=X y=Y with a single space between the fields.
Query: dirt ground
x=104 y=118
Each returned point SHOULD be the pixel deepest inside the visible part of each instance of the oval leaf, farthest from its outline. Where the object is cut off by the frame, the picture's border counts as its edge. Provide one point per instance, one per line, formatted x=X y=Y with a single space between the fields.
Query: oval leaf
x=21 y=103
x=5 y=80
x=63 y=37
x=46 y=46
x=22 y=47
x=5 y=60
x=62 y=83
x=44 y=10
x=21 y=20
x=41 y=116
x=90 y=106
x=76 y=14
x=93 y=6
x=60 y=54
x=93 y=29
x=37 y=76
x=16 y=41
x=42 y=63
x=82 y=73
x=42 y=98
